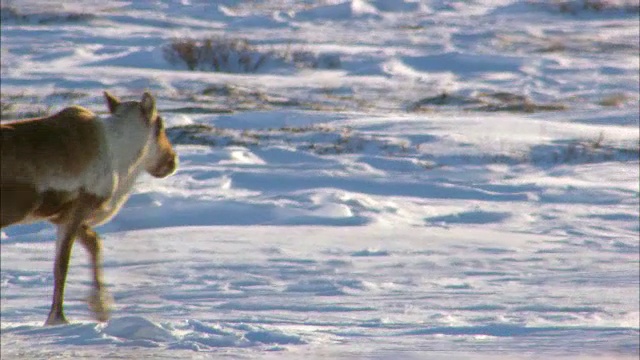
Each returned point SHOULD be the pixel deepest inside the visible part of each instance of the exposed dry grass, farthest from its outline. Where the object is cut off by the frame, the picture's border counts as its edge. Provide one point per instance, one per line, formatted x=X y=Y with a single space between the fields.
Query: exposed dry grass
x=582 y=151
x=6 y=107
x=216 y=54
x=319 y=139
x=19 y=105
x=239 y=98
x=567 y=43
x=12 y=112
x=614 y=100
x=577 y=6
x=198 y=110
x=221 y=54
x=67 y=95
x=322 y=139
x=492 y=102
x=523 y=107
x=443 y=99
x=12 y=14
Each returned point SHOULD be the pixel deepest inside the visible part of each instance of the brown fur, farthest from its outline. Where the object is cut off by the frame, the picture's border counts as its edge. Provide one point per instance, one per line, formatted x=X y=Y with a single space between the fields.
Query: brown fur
x=30 y=146
x=169 y=161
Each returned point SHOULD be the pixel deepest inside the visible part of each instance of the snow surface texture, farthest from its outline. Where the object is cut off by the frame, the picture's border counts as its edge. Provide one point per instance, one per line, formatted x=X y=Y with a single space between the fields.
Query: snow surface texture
x=398 y=179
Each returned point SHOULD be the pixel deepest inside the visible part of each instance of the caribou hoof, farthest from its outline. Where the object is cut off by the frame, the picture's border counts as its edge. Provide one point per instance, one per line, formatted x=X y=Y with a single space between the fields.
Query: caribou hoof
x=56 y=319
x=100 y=305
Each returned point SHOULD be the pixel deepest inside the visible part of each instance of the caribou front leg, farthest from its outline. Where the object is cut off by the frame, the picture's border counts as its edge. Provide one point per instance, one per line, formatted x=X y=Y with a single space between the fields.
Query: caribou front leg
x=99 y=300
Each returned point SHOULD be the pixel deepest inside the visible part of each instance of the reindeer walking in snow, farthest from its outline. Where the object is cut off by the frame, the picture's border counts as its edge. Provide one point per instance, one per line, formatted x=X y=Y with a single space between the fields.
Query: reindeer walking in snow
x=76 y=170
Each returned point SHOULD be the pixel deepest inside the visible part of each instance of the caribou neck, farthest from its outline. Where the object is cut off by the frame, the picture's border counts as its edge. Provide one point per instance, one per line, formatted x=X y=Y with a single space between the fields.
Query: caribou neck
x=127 y=146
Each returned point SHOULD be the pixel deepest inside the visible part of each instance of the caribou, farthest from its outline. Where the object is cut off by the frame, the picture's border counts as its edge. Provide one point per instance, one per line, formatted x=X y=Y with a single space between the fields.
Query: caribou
x=75 y=170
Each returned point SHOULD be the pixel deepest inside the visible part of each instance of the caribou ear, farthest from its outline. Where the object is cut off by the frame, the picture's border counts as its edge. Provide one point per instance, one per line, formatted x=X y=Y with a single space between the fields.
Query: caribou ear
x=148 y=106
x=112 y=101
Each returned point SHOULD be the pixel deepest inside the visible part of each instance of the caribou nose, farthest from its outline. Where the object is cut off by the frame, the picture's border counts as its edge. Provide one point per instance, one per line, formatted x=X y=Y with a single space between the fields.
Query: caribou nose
x=166 y=168
x=173 y=164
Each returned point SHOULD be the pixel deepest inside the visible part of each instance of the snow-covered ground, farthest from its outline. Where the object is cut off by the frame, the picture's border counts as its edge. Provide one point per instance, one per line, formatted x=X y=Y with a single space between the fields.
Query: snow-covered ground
x=397 y=179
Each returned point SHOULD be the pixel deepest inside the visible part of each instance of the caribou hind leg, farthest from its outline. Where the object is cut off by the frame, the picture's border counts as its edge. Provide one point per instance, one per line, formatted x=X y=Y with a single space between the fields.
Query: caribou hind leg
x=64 y=244
x=99 y=300
x=69 y=226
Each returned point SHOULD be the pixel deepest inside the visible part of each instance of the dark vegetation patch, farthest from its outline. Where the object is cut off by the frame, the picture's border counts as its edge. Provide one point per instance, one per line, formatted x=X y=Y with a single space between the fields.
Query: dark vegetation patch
x=10 y=110
x=583 y=151
x=66 y=95
x=560 y=152
x=523 y=107
x=318 y=139
x=198 y=110
x=328 y=140
x=23 y=114
x=244 y=98
x=614 y=100
x=227 y=97
x=576 y=7
x=6 y=107
x=574 y=43
x=10 y=14
x=443 y=99
x=486 y=101
x=412 y=27
x=18 y=105
x=234 y=55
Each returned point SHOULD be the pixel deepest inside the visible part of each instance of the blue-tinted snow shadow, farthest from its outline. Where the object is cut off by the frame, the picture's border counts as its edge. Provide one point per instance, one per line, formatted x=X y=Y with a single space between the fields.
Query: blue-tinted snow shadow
x=511 y=330
x=464 y=63
x=138 y=331
x=470 y=217
x=383 y=186
x=186 y=212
